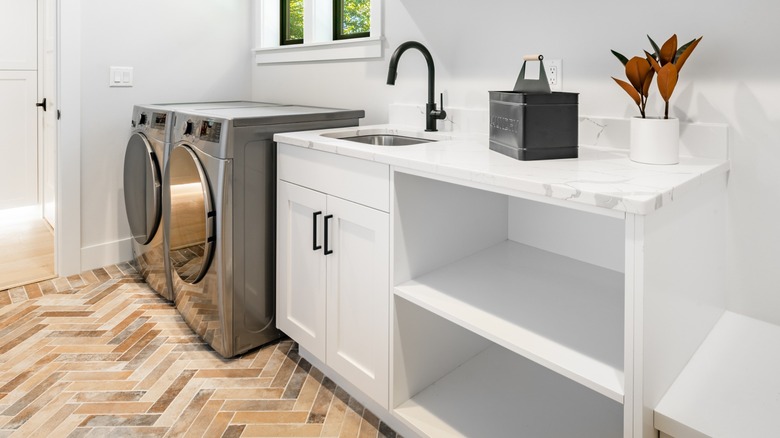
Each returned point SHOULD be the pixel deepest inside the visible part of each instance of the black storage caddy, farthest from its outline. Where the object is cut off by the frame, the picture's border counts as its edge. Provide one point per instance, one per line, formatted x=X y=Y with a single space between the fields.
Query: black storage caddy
x=532 y=123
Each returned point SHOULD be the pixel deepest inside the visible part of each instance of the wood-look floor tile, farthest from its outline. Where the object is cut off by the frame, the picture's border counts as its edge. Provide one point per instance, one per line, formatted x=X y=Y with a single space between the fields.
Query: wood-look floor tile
x=258 y=405
x=282 y=430
x=33 y=291
x=369 y=427
x=179 y=405
x=103 y=385
x=249 y=393
x=119 y=420
x=114 y=408
x=191 y=412
x=319 y=409
x=48 y=422
x=270 y=417
x=234 y=431
x=219 y=425
x=45 y=399
x=336 y=414
x=173 y=391
x=204 y=418
x=100 y=354
x=107 y=396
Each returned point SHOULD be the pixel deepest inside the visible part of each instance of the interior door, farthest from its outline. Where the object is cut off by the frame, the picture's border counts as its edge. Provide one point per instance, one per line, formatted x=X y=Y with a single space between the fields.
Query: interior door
x=19 y=142
x=19 y=91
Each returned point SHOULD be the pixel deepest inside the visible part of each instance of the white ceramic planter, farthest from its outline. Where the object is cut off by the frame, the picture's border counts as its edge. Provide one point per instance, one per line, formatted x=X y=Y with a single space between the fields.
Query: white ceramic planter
x=655 y=140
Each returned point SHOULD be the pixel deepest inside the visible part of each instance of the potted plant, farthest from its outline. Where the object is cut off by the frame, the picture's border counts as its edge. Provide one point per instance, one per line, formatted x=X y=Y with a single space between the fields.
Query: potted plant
x=655 y=140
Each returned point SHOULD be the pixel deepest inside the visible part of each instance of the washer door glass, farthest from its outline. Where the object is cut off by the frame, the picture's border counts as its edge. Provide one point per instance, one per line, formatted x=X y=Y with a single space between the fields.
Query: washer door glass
x=142 y=189
x=192 y=217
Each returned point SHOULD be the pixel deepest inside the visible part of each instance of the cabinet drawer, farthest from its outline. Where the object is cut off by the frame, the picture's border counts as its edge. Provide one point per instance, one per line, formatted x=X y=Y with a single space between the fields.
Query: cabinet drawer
x=364 y=182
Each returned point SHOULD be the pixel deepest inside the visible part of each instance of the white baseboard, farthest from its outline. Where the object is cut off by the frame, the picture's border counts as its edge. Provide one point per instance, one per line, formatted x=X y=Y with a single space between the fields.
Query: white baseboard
x=104 y=254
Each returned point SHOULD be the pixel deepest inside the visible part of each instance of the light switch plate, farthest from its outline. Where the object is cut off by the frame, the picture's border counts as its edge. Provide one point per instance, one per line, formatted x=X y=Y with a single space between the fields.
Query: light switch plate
x=120 y=76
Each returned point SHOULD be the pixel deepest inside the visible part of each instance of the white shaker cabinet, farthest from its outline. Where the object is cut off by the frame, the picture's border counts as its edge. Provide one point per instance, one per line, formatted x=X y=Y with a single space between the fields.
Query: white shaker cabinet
x=333 y=265
x=556 y=298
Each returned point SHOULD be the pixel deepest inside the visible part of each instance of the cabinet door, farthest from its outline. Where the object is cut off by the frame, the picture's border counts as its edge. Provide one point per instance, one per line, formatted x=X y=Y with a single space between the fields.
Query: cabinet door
x=358 y=296
x=300 y=269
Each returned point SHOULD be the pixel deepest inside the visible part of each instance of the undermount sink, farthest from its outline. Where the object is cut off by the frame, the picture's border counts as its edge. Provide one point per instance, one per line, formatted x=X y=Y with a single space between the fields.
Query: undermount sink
x=387 y=140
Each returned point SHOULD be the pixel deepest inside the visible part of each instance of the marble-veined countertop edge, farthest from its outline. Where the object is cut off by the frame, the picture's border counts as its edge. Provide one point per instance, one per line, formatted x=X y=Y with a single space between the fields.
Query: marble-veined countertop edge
x=601 y=177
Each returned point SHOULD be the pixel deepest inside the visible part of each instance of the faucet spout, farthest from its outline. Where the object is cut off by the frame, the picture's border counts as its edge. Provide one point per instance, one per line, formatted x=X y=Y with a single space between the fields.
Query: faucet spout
x=431 y=113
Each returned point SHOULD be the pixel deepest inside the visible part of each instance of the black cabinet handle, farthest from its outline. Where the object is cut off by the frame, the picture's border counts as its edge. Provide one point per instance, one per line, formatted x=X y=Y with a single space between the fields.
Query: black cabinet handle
x=314 y=245
x=327 y=220
x=42 y=104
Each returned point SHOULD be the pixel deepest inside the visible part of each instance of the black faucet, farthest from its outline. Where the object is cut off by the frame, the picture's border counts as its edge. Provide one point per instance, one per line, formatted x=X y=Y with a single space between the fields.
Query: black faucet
x=431 y=113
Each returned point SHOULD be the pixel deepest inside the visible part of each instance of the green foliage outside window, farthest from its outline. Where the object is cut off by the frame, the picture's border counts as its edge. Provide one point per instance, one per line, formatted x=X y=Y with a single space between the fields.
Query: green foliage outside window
x=352 y=18
x=292 y=21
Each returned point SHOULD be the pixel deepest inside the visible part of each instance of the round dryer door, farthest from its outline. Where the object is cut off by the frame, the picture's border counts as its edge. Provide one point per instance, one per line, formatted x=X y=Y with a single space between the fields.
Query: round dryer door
x=142 y=189
x=192 y=217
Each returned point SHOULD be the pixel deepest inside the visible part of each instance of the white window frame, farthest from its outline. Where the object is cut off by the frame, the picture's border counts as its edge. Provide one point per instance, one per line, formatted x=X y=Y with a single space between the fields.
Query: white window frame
x=318 y=43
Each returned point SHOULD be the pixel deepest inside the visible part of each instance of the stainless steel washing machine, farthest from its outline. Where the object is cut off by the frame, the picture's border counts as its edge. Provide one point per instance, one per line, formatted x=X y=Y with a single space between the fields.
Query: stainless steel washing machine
x=145 y=158
x=220 y=189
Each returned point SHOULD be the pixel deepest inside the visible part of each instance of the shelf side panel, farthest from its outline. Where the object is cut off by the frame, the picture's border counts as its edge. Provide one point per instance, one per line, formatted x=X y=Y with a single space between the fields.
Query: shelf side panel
x=684 y=284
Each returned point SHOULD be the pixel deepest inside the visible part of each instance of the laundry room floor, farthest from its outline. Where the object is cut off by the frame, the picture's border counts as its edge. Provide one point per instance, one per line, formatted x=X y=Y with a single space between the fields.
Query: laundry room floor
x=100 y=354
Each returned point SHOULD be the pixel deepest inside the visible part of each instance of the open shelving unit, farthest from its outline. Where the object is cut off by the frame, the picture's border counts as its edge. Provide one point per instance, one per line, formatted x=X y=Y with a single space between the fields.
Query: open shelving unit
x=503 y=326
x=497 y=393
x=561 y=313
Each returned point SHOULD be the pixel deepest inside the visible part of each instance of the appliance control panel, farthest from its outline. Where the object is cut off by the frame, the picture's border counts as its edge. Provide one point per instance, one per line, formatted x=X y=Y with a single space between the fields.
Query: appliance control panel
x=210 y=131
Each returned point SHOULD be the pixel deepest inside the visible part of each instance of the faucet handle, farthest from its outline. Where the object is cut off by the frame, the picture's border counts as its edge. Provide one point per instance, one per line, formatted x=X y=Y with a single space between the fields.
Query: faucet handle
x=440 y=114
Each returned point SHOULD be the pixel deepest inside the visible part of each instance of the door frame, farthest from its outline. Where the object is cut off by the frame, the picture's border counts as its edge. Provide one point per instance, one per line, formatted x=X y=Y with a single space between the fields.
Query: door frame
x=67 y=260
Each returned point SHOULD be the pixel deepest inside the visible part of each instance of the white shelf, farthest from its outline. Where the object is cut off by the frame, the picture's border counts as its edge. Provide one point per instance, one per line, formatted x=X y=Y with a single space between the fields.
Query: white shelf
x=499 y=394
x=730 y=387
x=561 y=313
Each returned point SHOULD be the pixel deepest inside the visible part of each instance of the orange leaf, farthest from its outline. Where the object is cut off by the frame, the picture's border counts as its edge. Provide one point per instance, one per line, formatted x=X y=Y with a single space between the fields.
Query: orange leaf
x=668 y=50
x=667 y=80
x=636 y=70
x=629 y=89
x=647 y=81
x=684 y=56
x=653 y=63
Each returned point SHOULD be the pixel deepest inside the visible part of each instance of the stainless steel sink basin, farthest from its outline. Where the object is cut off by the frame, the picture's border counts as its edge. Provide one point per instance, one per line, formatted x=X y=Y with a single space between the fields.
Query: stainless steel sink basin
x=387 y=140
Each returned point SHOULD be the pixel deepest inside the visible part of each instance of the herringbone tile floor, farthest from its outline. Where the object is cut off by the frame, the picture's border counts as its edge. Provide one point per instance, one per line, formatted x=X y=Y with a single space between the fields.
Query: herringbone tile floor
x=100 y=354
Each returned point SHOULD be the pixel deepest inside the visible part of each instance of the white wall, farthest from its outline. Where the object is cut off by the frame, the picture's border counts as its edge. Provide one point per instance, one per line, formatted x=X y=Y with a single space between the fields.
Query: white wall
x=181 y=50
x=731 y=78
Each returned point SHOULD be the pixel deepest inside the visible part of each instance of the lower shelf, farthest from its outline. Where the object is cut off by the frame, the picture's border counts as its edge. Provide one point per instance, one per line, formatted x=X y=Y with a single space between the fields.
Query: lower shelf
x=498 y=393
x=730 y=386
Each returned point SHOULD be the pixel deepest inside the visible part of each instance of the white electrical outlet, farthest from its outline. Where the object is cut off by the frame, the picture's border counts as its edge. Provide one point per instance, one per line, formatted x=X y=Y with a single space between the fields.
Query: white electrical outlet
x=554 y=73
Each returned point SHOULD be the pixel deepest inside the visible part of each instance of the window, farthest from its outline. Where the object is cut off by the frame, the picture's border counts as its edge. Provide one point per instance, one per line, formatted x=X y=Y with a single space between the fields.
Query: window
x=317 y=30
x=292 y=22
x=351 y=19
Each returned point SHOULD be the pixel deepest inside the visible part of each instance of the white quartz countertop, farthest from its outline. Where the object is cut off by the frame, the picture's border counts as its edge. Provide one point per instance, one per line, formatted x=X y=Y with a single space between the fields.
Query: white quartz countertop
x=601 y=177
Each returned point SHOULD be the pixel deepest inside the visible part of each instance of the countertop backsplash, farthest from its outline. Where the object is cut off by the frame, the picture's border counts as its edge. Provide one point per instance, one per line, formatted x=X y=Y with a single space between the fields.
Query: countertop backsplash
x=702 y=140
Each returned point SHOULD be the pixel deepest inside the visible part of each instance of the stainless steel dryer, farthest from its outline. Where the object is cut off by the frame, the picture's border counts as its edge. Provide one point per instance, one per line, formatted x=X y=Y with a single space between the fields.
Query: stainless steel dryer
x=145 y=158
x=221 y=210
